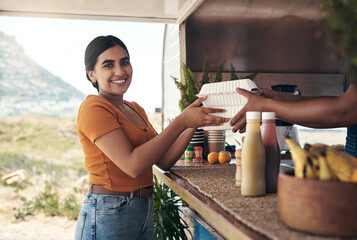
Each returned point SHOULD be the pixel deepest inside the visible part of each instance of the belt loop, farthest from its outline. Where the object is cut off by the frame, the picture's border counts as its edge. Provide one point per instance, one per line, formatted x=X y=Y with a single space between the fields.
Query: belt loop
x=131 y=195
x=89 y=190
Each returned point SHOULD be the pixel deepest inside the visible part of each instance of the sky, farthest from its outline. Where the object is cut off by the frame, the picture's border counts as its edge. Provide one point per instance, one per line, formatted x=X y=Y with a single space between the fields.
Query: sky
x=58 y=45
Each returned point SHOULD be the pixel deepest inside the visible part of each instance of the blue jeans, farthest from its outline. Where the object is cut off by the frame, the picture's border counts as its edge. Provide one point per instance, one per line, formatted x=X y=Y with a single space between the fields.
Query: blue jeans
x=110 y=217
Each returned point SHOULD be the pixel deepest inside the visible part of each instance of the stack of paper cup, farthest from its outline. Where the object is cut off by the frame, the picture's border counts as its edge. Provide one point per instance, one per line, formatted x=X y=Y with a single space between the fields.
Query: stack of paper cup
x=198 y=139
x=216 y=140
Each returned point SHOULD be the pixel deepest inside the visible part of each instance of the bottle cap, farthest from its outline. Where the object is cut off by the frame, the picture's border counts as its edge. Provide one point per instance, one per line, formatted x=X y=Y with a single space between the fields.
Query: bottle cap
x=268 y=115
x=189 y=148
x=253 y=115
x=198 y=148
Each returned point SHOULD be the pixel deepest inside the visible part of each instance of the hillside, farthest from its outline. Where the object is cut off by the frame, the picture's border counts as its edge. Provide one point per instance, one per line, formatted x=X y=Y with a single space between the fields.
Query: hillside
x=25 y=86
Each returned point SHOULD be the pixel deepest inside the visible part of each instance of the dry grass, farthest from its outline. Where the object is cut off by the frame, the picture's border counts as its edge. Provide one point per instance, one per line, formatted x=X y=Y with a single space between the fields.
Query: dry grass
x=49 y=150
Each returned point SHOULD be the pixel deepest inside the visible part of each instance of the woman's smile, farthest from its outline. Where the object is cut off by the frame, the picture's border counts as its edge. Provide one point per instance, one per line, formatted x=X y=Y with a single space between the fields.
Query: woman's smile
x=118 y=81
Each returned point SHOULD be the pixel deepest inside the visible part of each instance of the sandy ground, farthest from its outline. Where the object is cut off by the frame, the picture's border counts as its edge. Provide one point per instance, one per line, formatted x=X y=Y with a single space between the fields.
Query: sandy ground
x=40 y=227
x=37 y=227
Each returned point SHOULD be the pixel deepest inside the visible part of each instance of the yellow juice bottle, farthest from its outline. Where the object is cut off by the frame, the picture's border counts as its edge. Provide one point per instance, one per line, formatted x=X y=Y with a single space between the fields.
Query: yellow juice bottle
x=253 y=158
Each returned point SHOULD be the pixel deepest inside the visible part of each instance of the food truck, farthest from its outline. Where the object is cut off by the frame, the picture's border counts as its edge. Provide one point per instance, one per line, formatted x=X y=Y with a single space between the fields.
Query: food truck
x=282 y=41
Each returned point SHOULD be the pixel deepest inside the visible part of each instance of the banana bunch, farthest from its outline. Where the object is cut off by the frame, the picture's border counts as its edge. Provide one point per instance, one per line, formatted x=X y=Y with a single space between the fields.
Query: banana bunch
x=321 y=161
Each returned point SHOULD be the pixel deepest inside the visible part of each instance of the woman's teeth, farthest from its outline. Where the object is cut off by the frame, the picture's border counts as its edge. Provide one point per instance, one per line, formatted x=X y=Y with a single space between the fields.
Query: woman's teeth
x=118 y=81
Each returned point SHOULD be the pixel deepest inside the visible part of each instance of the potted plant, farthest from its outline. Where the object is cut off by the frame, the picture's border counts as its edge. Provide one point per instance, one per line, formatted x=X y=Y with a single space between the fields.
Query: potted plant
x=168 y=223
x=189 y=87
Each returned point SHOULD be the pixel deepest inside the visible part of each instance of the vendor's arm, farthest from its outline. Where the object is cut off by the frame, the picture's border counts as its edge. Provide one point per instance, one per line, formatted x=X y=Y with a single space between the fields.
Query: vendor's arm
x=318 y=112
x=134 y=161
x=281 y=96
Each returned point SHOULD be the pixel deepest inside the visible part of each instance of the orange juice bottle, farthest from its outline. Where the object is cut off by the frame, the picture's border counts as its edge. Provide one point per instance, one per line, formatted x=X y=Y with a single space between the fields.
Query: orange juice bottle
x=253 y=158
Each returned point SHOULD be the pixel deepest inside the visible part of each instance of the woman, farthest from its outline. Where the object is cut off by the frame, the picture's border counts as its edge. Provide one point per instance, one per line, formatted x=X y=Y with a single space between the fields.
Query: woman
x=121 y=146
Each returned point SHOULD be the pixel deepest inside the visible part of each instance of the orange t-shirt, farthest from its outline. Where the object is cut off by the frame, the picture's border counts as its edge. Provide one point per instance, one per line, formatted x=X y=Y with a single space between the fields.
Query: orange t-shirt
x=96 y=117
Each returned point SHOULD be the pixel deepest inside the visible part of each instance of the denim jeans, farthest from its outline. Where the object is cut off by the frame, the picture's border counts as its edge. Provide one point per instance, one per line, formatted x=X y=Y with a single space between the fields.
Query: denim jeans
x=107 y=217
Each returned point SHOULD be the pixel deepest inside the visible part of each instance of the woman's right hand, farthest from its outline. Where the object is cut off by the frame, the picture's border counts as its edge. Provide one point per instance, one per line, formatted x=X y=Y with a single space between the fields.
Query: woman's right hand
x=194 y=116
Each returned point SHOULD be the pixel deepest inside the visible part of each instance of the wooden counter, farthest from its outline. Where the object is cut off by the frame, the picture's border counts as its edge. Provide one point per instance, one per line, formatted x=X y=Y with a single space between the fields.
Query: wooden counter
x=209 y=210
x=230 y=226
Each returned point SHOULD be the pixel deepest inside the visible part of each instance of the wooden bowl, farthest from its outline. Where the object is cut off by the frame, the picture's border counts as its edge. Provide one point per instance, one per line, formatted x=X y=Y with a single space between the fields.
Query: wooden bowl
x=319 y=207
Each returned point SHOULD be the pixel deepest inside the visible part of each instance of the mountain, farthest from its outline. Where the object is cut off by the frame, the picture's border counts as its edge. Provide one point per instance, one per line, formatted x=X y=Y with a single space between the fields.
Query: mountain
x=25 y=86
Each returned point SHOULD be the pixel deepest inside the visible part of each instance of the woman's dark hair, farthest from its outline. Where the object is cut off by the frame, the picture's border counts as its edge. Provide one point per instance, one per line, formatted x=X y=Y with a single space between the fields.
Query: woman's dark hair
x=95 y=48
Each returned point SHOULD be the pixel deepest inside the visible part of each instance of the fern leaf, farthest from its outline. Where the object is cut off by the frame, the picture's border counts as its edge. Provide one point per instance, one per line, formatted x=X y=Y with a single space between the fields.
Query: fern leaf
x=219 y=74
x=233 y=73
x=205 y=73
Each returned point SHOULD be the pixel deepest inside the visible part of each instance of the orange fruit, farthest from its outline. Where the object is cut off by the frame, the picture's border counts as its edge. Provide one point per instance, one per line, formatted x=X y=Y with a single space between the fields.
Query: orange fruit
x=213 y=157
x=224 y=157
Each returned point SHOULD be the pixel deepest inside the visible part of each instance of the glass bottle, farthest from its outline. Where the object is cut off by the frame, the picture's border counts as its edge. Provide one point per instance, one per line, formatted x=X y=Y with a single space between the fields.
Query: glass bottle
x=197 y=156
x=272 y=151
x=238 y=156
x=189 y=154
x=253 y=158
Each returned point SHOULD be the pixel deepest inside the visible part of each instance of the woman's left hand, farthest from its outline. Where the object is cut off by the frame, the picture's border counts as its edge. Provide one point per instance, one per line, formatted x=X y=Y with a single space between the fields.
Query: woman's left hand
x=194 y=116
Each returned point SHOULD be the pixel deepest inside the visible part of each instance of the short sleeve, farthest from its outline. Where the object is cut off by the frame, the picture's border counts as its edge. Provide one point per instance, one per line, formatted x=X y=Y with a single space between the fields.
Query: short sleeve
x=96 y=118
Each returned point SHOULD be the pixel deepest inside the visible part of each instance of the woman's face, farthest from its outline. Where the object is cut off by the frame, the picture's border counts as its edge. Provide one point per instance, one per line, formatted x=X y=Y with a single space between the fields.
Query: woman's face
x=112 y=71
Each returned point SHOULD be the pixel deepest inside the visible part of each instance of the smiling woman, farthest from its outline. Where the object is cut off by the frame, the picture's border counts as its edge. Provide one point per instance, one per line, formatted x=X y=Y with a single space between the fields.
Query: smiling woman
x=121 y=146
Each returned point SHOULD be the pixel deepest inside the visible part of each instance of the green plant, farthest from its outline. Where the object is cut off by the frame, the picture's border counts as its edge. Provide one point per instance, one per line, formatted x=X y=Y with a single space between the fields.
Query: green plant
x=71 y=208
x=233 y=73
x=29 y=209
x=49 y=203
x=168 y=224
x=234 y=76
x=218 y=77
x=18 y=185
x=190 y=88
x=341 y=30
x=205 y=74
x=187 y=89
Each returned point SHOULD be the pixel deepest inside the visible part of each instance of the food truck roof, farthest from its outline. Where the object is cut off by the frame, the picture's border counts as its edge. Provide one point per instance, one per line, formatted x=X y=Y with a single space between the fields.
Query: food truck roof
x=164 y=11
